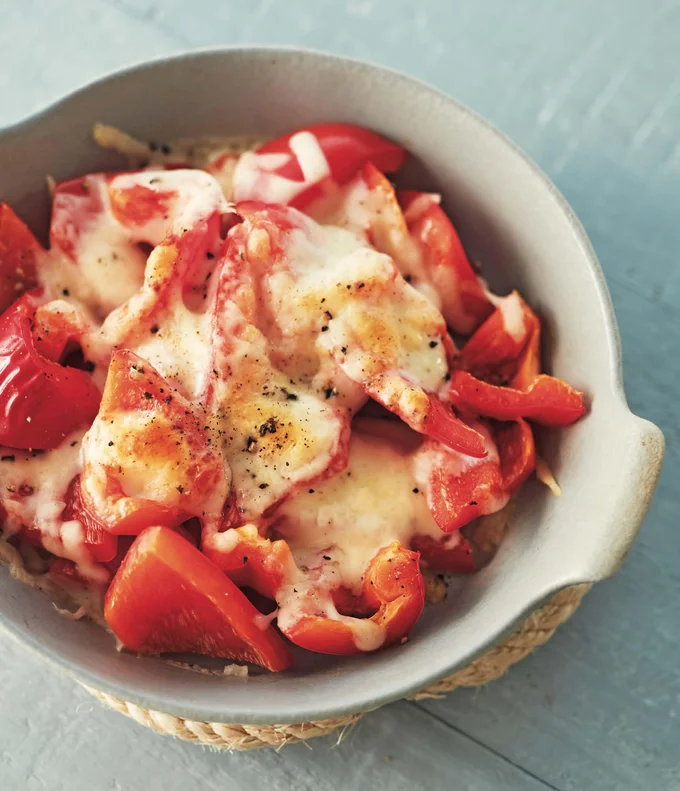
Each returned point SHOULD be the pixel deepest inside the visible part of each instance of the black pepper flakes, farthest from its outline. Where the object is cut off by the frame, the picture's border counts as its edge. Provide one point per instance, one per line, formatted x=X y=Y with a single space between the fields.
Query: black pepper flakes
x=326 y=557
x=268 y=427
x=9 y=457
x=472 y=502
x=147 y=395
x=66 y=292
x=154 y=329
x=433 y=344
x=180 y=489
x=416 y=490
x=264 y=486
x=110 y=443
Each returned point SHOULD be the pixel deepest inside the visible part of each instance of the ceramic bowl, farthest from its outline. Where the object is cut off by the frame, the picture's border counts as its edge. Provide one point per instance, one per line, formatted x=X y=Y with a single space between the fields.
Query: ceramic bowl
x=513 y=221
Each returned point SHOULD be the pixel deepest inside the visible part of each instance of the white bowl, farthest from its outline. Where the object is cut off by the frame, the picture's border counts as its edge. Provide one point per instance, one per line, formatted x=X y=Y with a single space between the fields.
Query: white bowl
x=514 y=221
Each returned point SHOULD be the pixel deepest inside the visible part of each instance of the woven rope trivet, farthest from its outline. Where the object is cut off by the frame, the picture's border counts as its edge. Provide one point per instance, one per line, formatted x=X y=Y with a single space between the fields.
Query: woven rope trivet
x=538 y=628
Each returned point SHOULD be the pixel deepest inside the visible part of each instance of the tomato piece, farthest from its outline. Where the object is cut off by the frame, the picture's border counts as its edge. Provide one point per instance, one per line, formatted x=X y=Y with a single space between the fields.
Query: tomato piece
x=494 y=352
x=167 y=597
x=465 y=304
x=251 y=560
x=393 y=588
x=460 y=488
x=149 y=455
x=41 y=402
x=306 y=164
x=19 y=252
x=452 y=553
x=546 y=400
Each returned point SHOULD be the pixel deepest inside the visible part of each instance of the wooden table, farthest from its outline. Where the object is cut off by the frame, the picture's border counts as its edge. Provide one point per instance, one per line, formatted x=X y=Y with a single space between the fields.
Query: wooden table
x=591 y=90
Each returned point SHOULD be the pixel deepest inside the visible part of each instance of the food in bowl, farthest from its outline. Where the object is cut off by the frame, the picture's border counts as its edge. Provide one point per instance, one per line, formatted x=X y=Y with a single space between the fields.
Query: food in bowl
x=258 y=386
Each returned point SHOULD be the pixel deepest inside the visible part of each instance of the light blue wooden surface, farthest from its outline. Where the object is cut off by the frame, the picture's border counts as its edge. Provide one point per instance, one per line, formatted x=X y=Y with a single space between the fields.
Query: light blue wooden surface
x=592 y=91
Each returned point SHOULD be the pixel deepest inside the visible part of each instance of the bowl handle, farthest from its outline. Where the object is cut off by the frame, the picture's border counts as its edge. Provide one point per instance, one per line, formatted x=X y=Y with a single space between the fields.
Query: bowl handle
x=640 y=473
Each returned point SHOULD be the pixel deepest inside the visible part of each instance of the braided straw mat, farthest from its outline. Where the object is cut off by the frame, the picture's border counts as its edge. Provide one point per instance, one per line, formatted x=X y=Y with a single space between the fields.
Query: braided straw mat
x=538 y=628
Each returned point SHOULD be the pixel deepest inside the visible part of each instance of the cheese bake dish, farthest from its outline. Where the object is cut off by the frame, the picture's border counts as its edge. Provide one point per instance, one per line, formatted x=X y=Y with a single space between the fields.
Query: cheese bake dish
x=249 y=397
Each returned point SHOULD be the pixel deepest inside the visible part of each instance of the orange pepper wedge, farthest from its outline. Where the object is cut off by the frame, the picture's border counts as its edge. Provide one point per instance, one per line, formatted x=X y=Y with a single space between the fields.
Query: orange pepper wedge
x=169 y=597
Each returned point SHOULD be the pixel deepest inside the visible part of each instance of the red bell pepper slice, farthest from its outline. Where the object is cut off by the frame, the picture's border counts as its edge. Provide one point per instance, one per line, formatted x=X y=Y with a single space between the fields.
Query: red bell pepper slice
x=459 y=488
x=442 y=425
x=169 y=597
x=19 y=252
x=529 y=361
x=393 y=587
x=147 y=455
x=452 y=553
x=546 y=400
x=517 y=452
x=57 y=330
x=41 y=402
x=465 y=304
x=101 y=544
x=305 y=164
x=494 y=351
x=251 y=560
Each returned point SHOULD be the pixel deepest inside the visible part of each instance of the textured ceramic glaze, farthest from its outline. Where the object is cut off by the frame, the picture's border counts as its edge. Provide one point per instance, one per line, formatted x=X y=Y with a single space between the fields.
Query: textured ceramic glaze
x=514 y=222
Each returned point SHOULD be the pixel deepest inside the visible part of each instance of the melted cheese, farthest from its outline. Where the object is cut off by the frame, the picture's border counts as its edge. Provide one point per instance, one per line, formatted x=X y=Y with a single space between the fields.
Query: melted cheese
x=179 y=348
x=275 y=432
x=335 y=528
x=34 y=486
x=108 y=267
x=335 y=300
x=352 y=515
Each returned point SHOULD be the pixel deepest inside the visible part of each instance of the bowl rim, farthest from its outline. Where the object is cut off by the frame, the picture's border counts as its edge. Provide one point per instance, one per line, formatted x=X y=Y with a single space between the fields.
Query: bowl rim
x=354 y=702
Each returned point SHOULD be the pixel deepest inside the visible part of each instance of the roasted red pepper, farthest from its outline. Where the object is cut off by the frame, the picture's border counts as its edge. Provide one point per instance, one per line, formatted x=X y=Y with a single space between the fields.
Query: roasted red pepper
x=452 y=553
x=546 y=400
x=169 y=597
x=494 y=351
x=516 y=452
x=41 y=402
x=305 y=164
x=393 y=588
x=19 y=252
x=154 y=463
x=251 y=560
x=101 y=544
x=459 y=488
x=465 y=304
